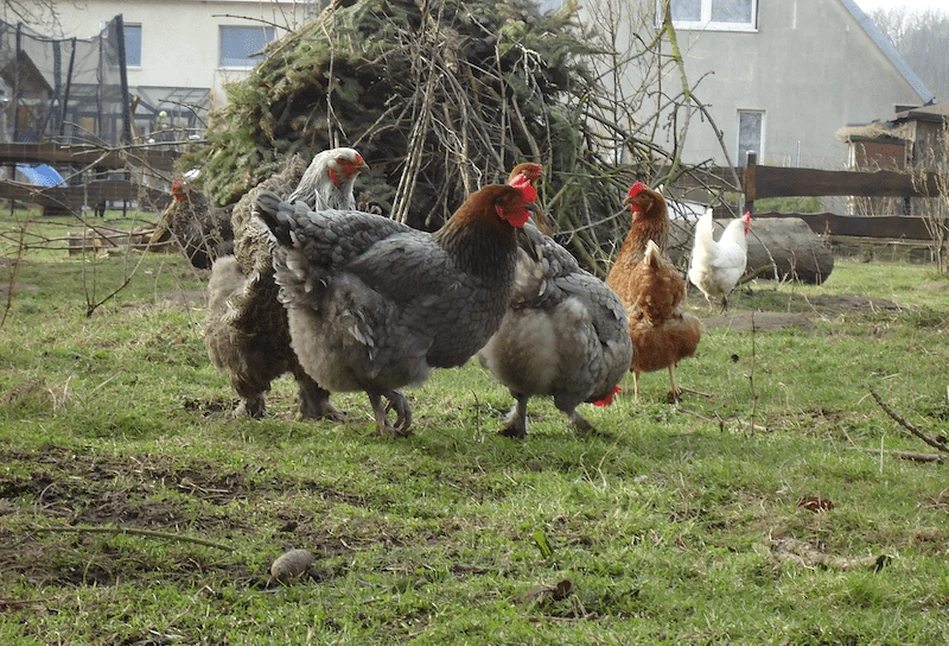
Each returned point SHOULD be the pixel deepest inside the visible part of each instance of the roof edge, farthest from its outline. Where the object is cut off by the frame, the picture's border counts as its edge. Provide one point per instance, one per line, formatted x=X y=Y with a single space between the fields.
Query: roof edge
x=889 y=50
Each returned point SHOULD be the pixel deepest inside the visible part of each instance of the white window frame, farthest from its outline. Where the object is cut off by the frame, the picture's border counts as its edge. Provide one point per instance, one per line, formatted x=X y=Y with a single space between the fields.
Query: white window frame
x=761 y=143
x=707 y=22
x=250 y=63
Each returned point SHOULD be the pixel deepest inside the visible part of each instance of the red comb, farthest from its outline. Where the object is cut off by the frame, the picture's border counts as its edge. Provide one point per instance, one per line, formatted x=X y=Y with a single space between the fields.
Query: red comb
x=606 y=401
x=635 y=189
x=523 y=184
x=747 y=217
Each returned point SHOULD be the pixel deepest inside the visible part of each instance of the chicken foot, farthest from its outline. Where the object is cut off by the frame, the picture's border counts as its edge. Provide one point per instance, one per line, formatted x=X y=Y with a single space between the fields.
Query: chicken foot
x=674 y=394
x=254 y=406
x=579 y=421
x=315 y=401
x=515 y=424
x=403 y=413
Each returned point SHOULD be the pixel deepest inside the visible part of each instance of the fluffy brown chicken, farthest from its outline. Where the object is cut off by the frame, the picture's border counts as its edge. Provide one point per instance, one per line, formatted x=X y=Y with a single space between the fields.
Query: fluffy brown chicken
x=375 y=305
x=246 y=330
x=201 y=229
x=653 y=291
x=565 y=333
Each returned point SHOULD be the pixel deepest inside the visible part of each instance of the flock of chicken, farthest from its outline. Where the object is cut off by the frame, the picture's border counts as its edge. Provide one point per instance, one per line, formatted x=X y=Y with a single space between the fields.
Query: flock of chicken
x=353 y=301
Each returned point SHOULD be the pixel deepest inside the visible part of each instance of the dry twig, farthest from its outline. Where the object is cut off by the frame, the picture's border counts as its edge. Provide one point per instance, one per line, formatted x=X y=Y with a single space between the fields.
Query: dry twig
x=135 y=532
x=907 y=425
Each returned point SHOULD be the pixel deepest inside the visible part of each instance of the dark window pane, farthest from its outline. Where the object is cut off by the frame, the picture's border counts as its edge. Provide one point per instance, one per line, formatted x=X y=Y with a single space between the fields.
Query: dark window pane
x=749 y=135
x=686 y=10
x=738 y=11
x=240 y=44
x=133 y=45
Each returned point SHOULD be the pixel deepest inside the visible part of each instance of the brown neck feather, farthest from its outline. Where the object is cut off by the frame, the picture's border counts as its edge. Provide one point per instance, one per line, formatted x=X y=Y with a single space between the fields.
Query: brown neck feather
x=641 y=231
x=478 y=238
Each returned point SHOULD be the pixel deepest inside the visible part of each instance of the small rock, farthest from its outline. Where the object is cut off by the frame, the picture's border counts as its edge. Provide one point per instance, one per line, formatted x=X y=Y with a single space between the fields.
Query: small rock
x=291 y=565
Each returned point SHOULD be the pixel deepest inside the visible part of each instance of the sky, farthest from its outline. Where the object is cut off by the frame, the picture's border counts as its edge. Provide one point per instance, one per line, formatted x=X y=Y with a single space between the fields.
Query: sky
x=912 y=5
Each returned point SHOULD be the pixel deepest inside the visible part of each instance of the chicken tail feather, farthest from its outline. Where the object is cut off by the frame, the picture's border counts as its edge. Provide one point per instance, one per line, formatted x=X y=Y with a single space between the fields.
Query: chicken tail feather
x=273 y=212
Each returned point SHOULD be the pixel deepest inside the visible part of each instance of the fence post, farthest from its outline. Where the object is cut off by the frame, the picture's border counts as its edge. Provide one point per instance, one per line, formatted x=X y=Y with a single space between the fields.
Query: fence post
x=123 y=79
x=750 y=182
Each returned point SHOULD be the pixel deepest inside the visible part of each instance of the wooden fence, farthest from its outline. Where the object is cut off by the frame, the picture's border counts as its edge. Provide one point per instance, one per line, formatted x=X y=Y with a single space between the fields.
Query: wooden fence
x=761 y=182
x=93 y=193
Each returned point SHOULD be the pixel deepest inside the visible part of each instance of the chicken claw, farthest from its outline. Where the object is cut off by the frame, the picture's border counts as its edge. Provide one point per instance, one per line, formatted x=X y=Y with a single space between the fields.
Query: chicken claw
x=398 y=403
x=315 y=401
x=403 y=412
x=254 y=407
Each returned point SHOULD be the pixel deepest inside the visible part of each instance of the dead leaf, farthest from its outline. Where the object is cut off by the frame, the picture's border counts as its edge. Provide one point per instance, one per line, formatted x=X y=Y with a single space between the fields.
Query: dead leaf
x=815 y=503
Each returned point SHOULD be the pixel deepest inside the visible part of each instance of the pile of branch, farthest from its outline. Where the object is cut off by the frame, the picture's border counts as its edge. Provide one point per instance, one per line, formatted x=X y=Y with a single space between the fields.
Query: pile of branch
x=439 y=97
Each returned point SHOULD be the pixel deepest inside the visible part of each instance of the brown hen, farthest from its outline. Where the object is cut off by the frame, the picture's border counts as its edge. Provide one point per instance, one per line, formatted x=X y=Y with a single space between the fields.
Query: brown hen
x=653 y=291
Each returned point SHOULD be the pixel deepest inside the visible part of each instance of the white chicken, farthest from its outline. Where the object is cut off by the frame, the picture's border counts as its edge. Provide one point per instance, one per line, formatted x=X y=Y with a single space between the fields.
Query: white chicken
x=717 y=266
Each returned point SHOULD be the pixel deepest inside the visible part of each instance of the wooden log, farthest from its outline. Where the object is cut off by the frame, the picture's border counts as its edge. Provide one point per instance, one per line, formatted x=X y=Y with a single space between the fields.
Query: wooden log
x=778 y=248
x=81 y=241
x=789 y=247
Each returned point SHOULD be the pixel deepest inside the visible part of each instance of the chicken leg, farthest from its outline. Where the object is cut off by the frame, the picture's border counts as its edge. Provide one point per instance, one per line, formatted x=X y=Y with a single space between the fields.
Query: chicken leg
x=674 y=393
x=315 y=401
x=515 y=424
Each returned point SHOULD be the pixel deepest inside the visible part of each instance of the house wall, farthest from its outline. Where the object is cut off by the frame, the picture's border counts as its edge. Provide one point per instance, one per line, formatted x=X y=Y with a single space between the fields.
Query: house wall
x=180 y=45
x=809 y=66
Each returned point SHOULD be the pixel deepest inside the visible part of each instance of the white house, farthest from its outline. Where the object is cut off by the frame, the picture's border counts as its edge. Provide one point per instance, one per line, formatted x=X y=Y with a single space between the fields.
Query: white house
x=180 y=53
x=778 y=77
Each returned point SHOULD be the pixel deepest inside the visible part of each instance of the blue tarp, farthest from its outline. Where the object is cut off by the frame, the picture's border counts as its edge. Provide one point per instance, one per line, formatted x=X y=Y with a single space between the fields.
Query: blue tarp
x=41 y=175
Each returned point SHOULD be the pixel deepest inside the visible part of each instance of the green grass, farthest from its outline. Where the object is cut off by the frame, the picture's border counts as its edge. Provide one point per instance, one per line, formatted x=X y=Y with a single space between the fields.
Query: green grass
x=670 y=523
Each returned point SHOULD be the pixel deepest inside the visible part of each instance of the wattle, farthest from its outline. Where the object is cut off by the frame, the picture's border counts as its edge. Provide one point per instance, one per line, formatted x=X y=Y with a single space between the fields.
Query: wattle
x=518 y=219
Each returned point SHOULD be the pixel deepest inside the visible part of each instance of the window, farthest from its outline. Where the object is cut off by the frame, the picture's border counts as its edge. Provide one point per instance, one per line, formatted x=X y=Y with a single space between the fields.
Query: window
x=726 y=15
x=750 y=135
x=241 y=45
x=133 y=45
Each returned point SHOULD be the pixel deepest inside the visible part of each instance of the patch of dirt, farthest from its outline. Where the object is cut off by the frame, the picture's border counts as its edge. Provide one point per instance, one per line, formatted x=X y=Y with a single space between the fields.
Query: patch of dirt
x=812 y=306
x=850 y=303
x=762 y=321
x=17 y=288
x=95 y=489
x=61 y=489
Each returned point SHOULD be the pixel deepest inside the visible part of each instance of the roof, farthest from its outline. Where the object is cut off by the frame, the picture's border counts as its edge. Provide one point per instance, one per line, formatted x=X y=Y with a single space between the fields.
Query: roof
x=937 y=113
x=889 y=50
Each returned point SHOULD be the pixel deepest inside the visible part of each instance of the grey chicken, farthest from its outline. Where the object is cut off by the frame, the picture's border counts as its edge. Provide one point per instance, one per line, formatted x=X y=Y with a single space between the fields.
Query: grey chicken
x=246 y=330
x=565 y=334
x=375 y=305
